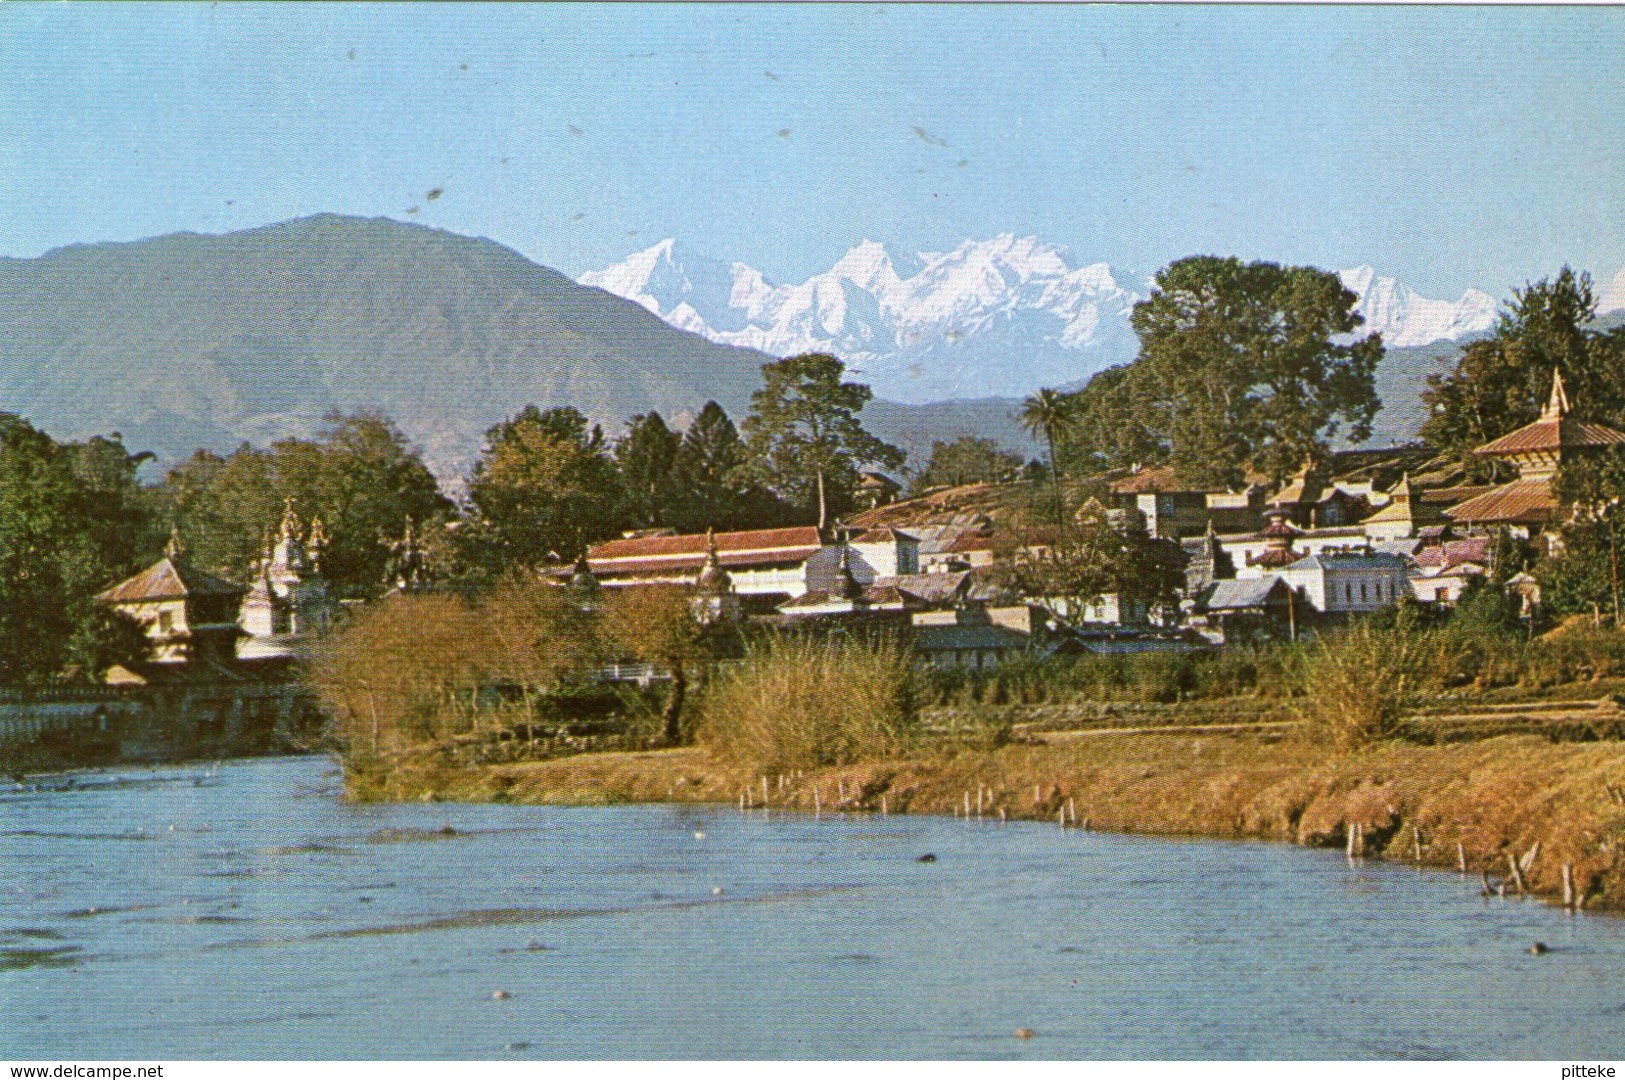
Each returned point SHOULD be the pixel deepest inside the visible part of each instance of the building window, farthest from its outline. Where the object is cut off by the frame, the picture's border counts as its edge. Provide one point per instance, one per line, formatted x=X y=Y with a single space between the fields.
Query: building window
x=166 y=621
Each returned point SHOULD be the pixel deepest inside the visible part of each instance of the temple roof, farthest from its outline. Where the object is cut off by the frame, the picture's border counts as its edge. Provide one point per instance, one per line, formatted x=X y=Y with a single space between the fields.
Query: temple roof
x=1522 y=502
x=1555 y=430
x=169 y=579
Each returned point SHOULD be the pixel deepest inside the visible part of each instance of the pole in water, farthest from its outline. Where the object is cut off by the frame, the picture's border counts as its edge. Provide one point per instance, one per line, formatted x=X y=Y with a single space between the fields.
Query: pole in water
x=1416 y=842
x=1001 y=813
x=818 y=804
x=883 y=806
x=1071 y=811
x=1038 y=796
x=1060 y=816
x=1517 y=873
x=1348 y=829
x=764 y=791
x=978 y=799
x=1568 y=886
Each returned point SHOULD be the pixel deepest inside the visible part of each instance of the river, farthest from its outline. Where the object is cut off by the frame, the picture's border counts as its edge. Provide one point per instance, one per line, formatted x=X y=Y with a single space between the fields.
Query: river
x=243 y=910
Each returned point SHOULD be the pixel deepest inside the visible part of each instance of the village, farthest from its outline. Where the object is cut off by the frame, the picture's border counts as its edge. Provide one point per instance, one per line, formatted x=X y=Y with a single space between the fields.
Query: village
x=1361 y=534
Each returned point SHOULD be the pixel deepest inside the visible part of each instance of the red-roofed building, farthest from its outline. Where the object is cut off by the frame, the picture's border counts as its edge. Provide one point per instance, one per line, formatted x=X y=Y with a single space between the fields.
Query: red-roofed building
x=780 y=564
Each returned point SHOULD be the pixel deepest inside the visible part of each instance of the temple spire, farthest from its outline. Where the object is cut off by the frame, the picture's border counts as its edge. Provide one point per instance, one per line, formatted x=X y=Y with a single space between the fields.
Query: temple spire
x=1557 y=406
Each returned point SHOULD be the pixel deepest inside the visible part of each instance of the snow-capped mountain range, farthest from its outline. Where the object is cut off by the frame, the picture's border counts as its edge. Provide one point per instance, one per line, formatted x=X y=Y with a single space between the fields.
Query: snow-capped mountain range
x=991 y=318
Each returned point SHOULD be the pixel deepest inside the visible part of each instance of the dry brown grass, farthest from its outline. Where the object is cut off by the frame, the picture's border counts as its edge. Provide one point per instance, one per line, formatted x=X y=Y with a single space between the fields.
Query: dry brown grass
x=1494 y=796
x=796 y=703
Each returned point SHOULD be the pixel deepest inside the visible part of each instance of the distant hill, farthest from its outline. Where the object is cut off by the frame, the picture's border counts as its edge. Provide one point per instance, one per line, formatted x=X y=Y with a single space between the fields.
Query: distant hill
x=184 y=341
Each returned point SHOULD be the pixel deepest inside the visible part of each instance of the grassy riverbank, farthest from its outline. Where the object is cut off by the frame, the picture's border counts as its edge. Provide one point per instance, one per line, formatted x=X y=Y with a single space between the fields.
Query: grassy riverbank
x=1494 y=796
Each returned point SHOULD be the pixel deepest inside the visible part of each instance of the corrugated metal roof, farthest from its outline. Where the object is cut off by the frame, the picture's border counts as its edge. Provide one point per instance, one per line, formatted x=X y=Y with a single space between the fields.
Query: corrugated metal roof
x=1231 y=595
x=941 y=638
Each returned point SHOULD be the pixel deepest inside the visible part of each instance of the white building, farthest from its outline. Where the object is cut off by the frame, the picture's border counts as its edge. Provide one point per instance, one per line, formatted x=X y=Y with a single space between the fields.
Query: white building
x=1350 y=580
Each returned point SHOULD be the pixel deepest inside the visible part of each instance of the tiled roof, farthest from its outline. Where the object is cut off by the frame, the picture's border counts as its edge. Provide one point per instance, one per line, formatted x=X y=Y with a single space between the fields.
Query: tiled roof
x=1473 y=549
x=1552 y=433
x=752 y=547
x=1522 y=502
x=167 y=580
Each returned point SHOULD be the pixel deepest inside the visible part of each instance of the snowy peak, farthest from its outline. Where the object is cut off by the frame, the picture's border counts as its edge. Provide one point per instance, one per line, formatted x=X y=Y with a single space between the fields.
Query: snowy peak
x=1612 y=297
x=999 y=317
x=1405 y=318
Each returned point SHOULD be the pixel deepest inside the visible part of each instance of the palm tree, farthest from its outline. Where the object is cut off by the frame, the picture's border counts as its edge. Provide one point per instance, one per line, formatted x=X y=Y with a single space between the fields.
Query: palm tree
x=1048 y=413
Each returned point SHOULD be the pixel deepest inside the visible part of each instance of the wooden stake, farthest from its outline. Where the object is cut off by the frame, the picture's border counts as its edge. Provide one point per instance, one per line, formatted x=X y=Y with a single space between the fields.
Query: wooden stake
x=1517 y=873
x=1001 y=813
x=818 y=803
x=883 y=806
x=1461 y=858
x=1416 y=843
x=1088 y=825
x=1071 y=811
x=978 y=800
x=1568 y=886
x=764 y=791
x=1038 y=796
x=967 y=804
x=1060 y=816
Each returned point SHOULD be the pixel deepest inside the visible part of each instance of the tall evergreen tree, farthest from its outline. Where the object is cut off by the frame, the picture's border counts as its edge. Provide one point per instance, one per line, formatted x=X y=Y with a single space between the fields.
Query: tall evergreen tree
x=645 y=456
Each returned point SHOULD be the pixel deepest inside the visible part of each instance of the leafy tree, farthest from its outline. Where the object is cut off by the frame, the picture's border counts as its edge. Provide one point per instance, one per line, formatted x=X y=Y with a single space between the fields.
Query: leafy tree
x=71 y=521
x=1585 y=573
x=1246 y=366
x=967 y=460
x=1501 y=383
x=359 y=475
x=1090 y=557
x=544 y=489
x=646 y=456
x=656 y=625
x=803 y=435
x=1110 y=427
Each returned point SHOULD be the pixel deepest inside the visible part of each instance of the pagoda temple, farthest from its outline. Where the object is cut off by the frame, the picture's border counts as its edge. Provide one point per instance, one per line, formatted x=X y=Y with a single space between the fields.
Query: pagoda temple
x=1537 y=451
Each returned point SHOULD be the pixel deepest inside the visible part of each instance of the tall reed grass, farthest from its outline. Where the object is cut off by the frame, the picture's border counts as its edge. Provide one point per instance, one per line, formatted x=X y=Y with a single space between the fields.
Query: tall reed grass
x=799 y=703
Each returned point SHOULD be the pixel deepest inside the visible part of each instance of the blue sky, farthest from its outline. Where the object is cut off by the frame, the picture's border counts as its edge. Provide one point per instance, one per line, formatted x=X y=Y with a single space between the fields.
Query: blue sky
x=1449 y=146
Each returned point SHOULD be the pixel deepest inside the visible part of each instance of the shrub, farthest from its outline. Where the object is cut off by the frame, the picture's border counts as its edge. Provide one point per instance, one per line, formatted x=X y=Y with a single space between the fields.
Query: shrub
x=797 y=703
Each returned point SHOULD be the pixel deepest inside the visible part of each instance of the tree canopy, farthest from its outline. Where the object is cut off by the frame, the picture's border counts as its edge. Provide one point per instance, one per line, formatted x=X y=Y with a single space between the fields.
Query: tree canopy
x=803 y=436
x=359 y=475
x=71 y=524
x=1500 y=384
x=1243 y=367
x=969 y=459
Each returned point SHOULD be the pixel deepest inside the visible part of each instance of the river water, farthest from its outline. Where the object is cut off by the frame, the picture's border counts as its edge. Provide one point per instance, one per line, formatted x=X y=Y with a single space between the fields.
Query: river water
x=244 y=911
